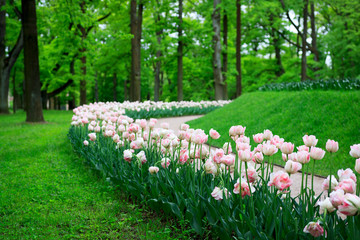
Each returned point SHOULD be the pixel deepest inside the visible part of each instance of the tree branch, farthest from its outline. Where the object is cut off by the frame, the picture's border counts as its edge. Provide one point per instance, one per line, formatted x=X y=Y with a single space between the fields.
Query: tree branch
x=16 y=9
x=289 y=18
x=15 y=52
x=99 y=20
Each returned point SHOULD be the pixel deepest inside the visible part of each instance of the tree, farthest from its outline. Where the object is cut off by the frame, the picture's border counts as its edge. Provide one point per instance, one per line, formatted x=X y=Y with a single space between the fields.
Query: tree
x=219 y=84
x=180 y=96
x=303 y=45
x=136 y=12
x=7 y=62
x=238 y=48
x=31 y=62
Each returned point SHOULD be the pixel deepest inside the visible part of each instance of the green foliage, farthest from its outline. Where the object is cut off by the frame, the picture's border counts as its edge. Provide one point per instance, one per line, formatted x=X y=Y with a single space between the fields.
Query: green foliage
x=48 y=193
x=346 y=84
x=291 y=115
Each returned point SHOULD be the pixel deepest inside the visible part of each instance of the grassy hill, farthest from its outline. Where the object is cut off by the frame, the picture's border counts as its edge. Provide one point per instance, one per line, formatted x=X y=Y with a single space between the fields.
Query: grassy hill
x=326 y=114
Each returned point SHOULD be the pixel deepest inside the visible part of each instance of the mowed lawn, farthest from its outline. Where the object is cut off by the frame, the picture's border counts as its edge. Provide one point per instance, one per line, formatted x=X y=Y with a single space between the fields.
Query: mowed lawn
x=326 y=114
x=46 y=192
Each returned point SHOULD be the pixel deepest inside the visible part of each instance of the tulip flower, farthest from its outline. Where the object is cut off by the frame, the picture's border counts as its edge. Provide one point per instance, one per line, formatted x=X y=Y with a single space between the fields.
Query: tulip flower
x=355 y=151
x=350 y=205
x=214 y=134
x=314 y=229
x=332 y=146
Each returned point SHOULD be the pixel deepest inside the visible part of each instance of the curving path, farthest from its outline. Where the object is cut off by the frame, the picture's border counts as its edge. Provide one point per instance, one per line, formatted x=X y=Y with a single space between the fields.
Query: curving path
x=175 y=123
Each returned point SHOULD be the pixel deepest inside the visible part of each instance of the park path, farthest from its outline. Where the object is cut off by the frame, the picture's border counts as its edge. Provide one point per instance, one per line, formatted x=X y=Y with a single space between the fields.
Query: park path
x=175 y=123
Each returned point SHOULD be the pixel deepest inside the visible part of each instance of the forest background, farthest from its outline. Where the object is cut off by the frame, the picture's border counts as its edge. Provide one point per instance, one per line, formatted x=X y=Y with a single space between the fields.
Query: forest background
x=111 y=50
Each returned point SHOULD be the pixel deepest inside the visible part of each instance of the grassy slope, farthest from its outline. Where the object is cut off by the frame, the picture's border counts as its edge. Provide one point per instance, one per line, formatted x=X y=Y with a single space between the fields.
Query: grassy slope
x=325 y=114
x=46 y=192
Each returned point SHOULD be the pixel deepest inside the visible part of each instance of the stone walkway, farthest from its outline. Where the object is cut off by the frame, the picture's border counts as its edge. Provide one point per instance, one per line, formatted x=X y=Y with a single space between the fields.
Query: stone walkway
x=175 y=123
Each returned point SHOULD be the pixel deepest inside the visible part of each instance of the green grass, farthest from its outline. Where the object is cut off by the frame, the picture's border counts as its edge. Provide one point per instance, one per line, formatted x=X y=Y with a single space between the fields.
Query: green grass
x=46 y=192
x=325 y=114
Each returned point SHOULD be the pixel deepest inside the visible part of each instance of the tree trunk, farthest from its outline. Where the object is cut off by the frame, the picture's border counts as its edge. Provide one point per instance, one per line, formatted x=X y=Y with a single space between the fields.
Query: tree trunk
x=238 y=48
x=225 y=53
x=96 y=88
x=126 y=90
x=276 y=41
x=44 y=99
x=313 y=36
x=158 y=55
x=4 y=83
x=135 y=27
x=303 y=45
x=115 y=86
x=14 y=92
x=219 y=84
x=31 y=63
x=180 y=73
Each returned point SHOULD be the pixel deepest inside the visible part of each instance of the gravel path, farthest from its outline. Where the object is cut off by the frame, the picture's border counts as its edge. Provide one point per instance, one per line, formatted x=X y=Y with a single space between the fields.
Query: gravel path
x=175 y=123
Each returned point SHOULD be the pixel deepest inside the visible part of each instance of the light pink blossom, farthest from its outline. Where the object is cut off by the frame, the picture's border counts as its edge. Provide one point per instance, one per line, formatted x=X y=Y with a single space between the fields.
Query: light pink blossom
x=184 y=127
x=348 y=185
x=245 y=155
x=314 y=229
x=326 y=205
x=258 y=138
x=258 y=157
x=128 y=155
x=92 y=136
x=142 y=157
x=345 y=174
x=228 y=159
x=269 y=149
x=245 y=188
x=280 y=180
x=355 y=151
x=153 y=170
x=334 y=183
x=214 y=134
x=292 y=167
x=226 y=147
x=219 y=193
x=332 y=146
x=218 y=154
x=252 y=174
x=164 y=125
x=165 y=162
x=277 y=141
x=350 y=205
x=317 y=153
x=310 y=141
x=303 y=157
x=86 y=143
x=287 y=148
x=303 y=148
x=357 y=165
x=337 y=197
x=267 y=134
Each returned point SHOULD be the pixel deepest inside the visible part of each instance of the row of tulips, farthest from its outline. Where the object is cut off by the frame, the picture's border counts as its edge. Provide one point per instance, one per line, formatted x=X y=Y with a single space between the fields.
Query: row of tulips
x=150 y=109
x=230 y=192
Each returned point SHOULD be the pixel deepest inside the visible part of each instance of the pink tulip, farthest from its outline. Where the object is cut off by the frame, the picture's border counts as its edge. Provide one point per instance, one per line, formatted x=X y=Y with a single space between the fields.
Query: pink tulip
x=277 y=141
x=184 y=156
x=357 y=165
x=210 y=167
x=258 y=138
x=280 y=180
x=267 y=134
x=348 y=185
x=355 y=151
x=237 y=130
x=219 y=153
x=292 y=167
x=303 y=148
x=350 y=205
x=310 y=141
x=269 y=149
x=242 y=146
x=287 y=148
x=219 y=193
x=227 y=147
x=228 y=160
x=245 y=155
x=133 y=128
x=284 y=157
x=142 y=157
x=184 y=127
x=166 y=143
x=258 y=157
x=317 y=153
x=252 y=174
x=153 y=170
x=334 y=183
x=245 y=188
x=292 y=157
x=258 y=148
x=337 y=197
x=314 y=229
x=153 y=120
x=326 y=205
x=214 y=134
x=86 y=143
x=346 y=174
x=332 y=146
x=165 y=162
x=92 y=136
x=128 y=155
x=303 y=157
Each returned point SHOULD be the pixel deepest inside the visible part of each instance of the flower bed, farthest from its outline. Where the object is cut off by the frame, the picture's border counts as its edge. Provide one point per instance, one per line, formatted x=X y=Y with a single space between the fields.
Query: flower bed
x=150 y=109
x=332 y=84
x=179 y=175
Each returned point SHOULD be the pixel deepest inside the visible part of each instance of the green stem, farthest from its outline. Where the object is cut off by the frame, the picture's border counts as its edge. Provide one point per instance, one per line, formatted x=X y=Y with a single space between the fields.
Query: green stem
x=312 y=180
